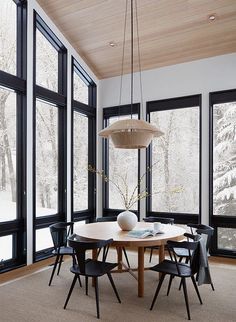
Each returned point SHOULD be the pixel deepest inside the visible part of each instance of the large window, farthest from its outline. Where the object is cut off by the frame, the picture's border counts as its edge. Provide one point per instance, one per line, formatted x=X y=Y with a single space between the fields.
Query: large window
x=46 y=154
x=223 y=170
x=174 y=158
x=12 y=134
x=83 y=138
x=50 y=134
x=120 y=165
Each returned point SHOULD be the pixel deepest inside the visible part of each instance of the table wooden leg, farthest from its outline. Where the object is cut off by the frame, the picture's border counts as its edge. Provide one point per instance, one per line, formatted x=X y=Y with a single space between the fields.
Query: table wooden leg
x=119 y=258
x=94 y=257
x=161 y=255
x=141 y=271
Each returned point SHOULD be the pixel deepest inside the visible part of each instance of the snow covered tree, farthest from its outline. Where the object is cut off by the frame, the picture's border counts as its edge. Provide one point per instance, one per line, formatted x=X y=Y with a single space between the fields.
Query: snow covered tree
x=224 y=171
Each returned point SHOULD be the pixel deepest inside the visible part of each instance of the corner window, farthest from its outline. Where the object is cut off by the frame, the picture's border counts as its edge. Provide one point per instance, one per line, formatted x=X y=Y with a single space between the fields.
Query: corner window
x=223 y=171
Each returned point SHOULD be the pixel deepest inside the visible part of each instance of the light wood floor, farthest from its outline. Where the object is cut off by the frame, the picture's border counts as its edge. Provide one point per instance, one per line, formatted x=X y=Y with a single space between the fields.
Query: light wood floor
x=26 y=270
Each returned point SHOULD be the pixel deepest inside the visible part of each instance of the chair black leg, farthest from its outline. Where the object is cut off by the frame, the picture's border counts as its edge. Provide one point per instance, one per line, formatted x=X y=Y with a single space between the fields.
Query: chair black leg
x=196 y=289
x=186 y=297
x=70 y=291
x=212 y=286
x=180 y=284
x=126 y=257
x=59 y=266
x=157 y=290
x=86 y=285
x=113 y=286
x=169 y=285
x=150 y=258
x=54 y=268
x=79 y=280
x=97 y=296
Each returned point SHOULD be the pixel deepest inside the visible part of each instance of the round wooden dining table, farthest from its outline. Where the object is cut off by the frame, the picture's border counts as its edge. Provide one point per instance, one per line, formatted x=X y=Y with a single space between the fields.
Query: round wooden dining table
x=107 y=230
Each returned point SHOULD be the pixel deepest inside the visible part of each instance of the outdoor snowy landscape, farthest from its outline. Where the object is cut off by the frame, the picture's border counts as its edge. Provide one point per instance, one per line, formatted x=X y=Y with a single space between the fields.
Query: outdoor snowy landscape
x=175 y=156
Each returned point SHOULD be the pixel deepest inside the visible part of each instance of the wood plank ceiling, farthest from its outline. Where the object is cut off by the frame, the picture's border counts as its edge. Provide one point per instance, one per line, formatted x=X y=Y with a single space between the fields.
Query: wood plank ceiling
x=170 y=31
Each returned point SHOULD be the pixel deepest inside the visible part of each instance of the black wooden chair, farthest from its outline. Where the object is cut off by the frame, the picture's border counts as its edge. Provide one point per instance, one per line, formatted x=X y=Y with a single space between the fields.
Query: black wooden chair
x=90 y=267
x=174 y=268
x=161 y=220
x=206 y=232
x=114 y=218
x=60 y=232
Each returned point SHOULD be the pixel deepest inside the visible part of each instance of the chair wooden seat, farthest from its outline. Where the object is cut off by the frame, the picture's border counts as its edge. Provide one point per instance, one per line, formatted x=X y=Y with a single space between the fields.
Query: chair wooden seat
x=93 y=268
x=169 y=267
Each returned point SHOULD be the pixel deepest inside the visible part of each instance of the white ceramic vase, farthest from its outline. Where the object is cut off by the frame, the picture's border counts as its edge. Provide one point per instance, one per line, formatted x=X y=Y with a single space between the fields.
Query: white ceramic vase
x=127 y=220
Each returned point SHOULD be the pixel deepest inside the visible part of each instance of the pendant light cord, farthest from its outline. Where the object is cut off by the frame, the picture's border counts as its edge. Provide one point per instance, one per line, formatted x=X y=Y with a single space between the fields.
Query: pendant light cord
x=123 y=57
x=132 y=57
x=139 y=62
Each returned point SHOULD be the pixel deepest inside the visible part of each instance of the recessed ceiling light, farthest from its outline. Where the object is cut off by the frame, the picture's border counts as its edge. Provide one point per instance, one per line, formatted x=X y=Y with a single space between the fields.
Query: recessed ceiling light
x=212 y=17
x=112 y=44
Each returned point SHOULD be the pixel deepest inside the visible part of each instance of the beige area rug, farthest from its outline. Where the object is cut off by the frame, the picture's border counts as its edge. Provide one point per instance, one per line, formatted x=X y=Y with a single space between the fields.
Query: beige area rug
x=30 y=299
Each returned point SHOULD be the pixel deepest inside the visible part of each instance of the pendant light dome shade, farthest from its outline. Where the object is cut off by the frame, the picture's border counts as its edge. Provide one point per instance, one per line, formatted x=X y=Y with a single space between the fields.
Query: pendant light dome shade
x=131 y=133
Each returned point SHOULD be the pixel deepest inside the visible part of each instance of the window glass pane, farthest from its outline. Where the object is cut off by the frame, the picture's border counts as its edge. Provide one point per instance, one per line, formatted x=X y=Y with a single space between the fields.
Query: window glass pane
x=80 y=162
x=224 y=160
x=175 y=159
x=46 y=159
x=6 y=248
x=46 y=63
x=7 y=155
x=8 y=36
x=123 y=171
x=227 y=238
x=43 y=239
x=80 y=90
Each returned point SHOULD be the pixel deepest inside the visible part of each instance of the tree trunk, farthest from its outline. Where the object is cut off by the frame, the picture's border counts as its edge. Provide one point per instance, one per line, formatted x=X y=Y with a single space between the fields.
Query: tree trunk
x=3 y=170
x=166 y=163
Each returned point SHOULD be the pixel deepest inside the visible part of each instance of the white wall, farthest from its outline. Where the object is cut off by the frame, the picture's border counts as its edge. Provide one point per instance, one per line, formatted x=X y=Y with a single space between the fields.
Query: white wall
x=33 y=5
x=197 y=77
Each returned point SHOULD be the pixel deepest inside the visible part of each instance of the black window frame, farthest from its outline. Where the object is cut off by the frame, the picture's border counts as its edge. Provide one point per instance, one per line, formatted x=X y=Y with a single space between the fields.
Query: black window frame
x=109 y=112
x=172 y=104
x=60 y=100
x=218 y=221
x=17 y=83
x=90 y=112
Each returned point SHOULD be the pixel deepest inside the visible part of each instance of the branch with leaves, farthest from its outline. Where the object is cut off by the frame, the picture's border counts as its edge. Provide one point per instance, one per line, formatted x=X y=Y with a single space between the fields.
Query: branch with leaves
x=137 y=194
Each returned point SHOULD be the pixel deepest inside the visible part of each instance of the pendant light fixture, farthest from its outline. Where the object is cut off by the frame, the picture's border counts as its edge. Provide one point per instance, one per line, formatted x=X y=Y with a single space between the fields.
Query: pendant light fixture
x=131 y=133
